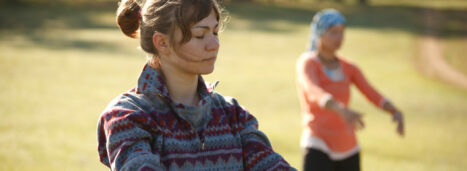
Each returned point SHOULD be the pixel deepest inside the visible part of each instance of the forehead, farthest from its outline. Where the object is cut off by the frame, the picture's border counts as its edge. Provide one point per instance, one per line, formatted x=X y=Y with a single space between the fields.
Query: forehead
x=337 y=27
x=210 y=20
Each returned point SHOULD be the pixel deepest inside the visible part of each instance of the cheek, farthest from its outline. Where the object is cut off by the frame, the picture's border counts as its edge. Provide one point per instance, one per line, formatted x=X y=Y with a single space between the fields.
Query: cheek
x=335 y=41
x=191 y=51
x=326 y=41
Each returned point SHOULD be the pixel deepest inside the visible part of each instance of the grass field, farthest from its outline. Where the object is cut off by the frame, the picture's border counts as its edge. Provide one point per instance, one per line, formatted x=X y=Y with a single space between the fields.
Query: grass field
x=61 y=65
x=454 y=49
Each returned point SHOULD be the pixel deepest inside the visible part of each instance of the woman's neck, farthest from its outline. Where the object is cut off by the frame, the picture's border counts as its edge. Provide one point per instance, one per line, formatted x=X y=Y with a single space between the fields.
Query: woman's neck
x=182 y=86
x=328 y=58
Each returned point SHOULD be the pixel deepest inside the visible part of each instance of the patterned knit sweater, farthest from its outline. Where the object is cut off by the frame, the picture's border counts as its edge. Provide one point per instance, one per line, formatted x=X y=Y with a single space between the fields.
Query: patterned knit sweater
x=144 y=129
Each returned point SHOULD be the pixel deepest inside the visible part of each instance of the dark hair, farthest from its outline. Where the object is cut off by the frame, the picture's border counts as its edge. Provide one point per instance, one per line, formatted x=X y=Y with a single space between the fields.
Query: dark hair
x=145 y=17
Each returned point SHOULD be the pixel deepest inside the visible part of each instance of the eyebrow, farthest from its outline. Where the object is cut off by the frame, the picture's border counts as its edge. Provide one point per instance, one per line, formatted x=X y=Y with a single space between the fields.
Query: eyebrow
x=206 y=27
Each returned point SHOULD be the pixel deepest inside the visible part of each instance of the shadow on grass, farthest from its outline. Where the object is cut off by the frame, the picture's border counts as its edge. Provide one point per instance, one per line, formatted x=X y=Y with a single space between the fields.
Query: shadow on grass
x=409 y=19
x=34 y=22
x=31 y=20
x=32 y=17
x=60 y=43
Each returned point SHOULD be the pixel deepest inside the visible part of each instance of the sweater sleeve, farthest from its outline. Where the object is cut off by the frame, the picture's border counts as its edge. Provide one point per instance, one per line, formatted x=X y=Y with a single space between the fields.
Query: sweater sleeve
x=363 y=86
x=124 y=141
x=308 y=80
x=257 y=150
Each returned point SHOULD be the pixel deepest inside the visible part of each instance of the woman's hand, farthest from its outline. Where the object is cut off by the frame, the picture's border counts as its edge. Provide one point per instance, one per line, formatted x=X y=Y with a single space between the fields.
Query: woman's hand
x=396 y=116
x=399 y=119
x=351 y=117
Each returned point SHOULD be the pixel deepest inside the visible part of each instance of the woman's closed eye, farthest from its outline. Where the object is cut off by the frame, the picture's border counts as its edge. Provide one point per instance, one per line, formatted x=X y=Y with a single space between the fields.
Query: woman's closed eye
x=202 y=36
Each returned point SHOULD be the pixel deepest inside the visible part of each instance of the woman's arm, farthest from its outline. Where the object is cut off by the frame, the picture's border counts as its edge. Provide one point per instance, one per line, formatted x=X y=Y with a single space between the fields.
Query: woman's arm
x=308 y=80
x=257 y=151
x=350 y=116
x=365 y=88
x=377 y=99
x=124 y=141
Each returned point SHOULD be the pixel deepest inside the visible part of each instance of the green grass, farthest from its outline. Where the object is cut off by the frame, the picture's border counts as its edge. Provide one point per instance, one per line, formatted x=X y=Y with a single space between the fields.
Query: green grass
x=61 y=66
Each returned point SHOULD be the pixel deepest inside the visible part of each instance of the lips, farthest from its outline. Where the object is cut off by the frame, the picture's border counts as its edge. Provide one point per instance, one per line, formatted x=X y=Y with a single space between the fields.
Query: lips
x=209 y=59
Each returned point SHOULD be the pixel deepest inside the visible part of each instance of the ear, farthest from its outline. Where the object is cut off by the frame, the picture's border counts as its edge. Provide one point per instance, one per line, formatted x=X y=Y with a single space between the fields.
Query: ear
x=161 y=43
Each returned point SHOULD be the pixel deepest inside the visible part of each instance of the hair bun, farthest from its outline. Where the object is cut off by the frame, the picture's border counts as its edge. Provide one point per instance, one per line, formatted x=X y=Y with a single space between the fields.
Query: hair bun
x=129 y=17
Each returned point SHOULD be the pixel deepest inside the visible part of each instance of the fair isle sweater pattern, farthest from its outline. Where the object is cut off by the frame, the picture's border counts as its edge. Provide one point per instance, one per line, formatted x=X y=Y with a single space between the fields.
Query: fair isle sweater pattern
x=143 y=129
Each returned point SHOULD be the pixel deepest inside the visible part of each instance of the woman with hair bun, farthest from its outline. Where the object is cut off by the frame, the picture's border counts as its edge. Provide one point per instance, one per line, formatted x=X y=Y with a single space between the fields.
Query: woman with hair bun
x=323 y=82
x=172 y=119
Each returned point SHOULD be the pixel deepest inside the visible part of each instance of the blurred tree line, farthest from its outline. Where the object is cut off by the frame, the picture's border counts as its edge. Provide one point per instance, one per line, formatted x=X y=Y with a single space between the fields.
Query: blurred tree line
x=17 y=2
x=361 y=2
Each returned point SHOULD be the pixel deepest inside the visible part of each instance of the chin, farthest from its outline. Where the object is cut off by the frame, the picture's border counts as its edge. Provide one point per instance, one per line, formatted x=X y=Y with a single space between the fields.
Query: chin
x=338 y=46
x=205 y=71
x=201 y=70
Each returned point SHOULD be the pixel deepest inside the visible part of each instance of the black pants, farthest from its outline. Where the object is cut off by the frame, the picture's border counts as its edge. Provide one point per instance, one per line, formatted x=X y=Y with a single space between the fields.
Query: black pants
x=315 y=160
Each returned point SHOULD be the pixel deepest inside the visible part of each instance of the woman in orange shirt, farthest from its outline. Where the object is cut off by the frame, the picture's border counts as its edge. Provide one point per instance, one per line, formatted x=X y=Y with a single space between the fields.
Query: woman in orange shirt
x=323 y=83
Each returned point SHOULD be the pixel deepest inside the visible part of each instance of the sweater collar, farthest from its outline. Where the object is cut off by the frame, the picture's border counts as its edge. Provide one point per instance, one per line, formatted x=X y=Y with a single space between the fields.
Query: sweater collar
x=151 y=81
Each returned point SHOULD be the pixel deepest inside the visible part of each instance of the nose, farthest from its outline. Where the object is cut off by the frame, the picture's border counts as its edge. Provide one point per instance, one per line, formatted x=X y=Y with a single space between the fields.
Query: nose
x=213 y=44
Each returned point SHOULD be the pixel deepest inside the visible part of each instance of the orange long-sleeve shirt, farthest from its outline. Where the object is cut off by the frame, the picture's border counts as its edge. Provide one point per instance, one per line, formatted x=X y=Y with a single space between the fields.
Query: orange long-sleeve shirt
x=314 y=87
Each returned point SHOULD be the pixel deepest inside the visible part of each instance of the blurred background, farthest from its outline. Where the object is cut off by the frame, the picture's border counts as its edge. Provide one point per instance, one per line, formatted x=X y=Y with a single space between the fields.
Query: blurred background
x=62 y=61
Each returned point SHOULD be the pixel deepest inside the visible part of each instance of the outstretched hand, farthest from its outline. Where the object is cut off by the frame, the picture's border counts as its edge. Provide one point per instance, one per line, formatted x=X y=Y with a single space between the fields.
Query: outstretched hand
x=399 y=119
x=352 y=118
x=396 y=116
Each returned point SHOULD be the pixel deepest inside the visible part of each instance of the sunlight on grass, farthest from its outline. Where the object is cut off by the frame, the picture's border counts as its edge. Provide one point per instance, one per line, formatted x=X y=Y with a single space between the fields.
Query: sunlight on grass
x=454 y=51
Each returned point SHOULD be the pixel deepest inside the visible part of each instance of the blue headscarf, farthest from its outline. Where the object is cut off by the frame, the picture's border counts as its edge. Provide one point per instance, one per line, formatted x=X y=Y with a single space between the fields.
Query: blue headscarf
x=322 y=21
